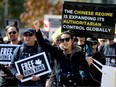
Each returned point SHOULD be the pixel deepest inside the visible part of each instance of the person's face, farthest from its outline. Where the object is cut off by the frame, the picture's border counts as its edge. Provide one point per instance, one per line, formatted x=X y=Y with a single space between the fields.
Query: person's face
x=12 y=34
x=94 y=45
x=29 y=39
x=102 y=41
x=110 y=41
x=66 y=41
x=81 y=38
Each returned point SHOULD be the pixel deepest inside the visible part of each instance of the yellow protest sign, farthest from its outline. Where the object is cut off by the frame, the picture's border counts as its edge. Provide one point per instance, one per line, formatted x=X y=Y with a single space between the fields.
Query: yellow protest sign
x=56 y=33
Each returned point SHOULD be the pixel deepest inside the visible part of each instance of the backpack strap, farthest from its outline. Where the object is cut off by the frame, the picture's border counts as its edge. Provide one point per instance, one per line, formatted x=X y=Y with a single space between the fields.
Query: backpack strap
x=19 y=51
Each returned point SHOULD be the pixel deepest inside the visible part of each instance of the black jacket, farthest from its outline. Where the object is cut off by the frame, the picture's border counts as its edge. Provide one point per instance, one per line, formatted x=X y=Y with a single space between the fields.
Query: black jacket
x=9 y=79
x=73 y=64
x=95 y=73
x=22 y=52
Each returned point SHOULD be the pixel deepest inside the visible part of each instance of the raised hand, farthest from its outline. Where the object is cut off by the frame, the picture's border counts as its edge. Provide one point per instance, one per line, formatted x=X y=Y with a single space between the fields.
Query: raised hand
x=37 y=25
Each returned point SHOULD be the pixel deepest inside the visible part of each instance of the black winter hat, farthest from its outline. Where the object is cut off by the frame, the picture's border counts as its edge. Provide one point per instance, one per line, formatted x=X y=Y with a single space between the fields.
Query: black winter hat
x=29 y=30
x=93 y=40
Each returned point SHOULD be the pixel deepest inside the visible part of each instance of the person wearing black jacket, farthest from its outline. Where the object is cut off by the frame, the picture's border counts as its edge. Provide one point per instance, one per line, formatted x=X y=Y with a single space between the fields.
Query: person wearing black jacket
x=69 y=57
x=12 y=32
x=94 y=72
x=28 y=48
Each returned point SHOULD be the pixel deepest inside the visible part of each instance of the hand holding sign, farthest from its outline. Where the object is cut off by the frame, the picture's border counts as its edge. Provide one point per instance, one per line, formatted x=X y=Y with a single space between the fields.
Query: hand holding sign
x=35 y=78
x=89 y=60
x=7 y=66
x=31 y=68
x=19 y=76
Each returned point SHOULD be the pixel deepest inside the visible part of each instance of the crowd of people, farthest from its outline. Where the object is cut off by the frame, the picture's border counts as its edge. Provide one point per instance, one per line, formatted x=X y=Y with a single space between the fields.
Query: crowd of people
x=73 y=55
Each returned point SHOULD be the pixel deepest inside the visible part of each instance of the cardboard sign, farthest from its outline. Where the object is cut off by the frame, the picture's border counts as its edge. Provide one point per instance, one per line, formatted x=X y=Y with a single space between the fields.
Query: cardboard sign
x=6 y=53
x=89 y=19
x=110 y=60
x=34 y=65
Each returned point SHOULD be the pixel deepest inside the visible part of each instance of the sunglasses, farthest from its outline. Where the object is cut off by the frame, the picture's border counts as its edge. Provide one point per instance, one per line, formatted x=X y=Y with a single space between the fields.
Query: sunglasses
x=65 y=39
x=94 y=43
x=13 y=32
x=26 y=35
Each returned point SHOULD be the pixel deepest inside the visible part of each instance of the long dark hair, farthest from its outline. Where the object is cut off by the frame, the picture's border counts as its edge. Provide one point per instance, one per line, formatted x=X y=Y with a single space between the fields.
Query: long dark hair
x=69 y=33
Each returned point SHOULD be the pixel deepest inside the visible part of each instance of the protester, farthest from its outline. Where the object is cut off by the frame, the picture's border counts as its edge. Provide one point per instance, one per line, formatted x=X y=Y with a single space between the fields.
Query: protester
x=1 y=39
x=13 y=33
x=1 y=72
x=85 y=45
x=87 y=50
x=28 y=48
x=57 y=42
x=51 y=81
x=95 y=73
x=109 y=48
x=69 y=57
x=102 y=41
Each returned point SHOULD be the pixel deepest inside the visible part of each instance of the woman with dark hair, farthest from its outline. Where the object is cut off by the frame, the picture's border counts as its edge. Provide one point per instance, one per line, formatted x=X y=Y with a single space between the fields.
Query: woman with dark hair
x=69 y=57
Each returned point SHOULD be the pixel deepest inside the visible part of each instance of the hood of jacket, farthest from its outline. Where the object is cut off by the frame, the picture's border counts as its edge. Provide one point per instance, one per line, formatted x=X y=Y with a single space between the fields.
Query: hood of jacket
x=75 y=48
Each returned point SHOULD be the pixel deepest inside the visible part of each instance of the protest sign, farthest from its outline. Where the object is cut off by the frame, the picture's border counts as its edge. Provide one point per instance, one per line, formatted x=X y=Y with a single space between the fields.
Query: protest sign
x=108 y=77
x=110 y=60
x=6 y=53
x=108 y=74
x=55 y=22
x=89 y=19
x=34 y=65
x=12 y=22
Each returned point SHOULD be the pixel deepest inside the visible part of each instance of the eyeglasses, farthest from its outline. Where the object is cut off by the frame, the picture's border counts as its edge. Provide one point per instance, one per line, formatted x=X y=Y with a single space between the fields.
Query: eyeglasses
x=26 y=35
x=13 y=32
x=65 y=39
